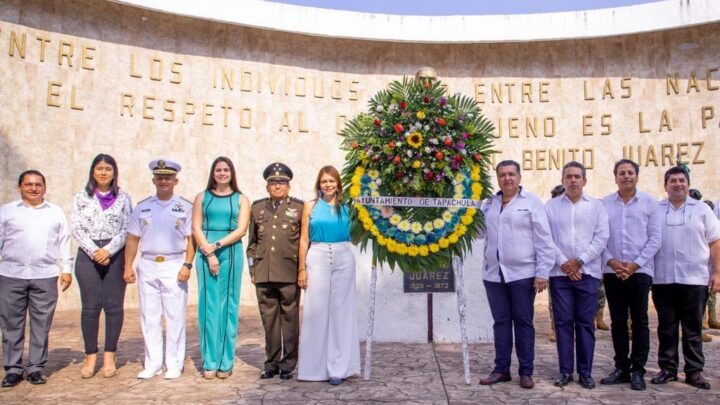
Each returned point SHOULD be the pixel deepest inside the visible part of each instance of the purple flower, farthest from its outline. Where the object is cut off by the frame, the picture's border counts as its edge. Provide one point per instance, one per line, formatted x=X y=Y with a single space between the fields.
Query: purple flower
x=461 y=117
x=465 y=135
x=382 y=132
x=460 y=145
x=443 y=101
x=418 y=155
x=389 y=158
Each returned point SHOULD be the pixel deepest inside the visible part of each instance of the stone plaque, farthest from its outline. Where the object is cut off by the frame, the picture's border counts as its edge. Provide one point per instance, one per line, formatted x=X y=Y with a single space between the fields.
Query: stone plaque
x=439 y=281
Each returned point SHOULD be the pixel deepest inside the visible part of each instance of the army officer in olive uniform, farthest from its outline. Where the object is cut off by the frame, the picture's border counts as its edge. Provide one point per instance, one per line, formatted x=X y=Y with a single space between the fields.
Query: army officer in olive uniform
x=273 y=259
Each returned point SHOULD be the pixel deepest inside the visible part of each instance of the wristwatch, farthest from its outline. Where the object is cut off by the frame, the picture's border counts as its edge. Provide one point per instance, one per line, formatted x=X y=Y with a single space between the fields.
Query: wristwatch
x=188 y=266
x=218 y=245
x=581 y=262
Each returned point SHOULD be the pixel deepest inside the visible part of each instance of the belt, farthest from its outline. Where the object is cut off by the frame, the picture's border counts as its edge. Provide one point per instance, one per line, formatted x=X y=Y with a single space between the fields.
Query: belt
x=162 y=258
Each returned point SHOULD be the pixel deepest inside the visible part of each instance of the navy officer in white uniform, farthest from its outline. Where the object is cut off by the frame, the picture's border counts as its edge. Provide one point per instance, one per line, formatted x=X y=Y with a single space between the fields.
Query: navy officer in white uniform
x=160 y=229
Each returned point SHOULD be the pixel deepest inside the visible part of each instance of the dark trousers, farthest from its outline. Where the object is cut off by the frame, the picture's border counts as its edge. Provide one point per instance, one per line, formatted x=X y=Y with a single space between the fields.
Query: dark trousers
x=512 y=309
x=631 y=296
x=102 y=288
x=680 y=305
x=574 y=306
x=279 y=305
x=21 y=298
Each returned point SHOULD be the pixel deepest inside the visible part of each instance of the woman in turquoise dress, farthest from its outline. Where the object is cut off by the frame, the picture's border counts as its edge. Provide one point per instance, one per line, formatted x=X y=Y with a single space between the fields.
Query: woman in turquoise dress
x=220 y=218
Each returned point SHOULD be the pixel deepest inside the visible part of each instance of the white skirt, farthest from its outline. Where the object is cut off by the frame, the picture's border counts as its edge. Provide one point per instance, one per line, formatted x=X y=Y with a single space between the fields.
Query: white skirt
x=329 y=343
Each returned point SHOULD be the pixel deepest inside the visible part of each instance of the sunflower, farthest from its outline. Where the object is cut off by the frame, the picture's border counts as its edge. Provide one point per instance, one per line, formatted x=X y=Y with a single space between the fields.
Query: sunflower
x=415 y=140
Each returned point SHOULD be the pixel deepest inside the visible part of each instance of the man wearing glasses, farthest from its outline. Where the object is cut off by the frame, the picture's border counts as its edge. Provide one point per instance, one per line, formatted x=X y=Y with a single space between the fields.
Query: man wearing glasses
x=690 y=239
x=272 y=253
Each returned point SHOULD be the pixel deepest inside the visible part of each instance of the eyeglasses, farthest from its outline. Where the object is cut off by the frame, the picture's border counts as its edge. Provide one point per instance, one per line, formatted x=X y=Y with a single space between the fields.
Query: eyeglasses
x=278 y=183
x=672 y=219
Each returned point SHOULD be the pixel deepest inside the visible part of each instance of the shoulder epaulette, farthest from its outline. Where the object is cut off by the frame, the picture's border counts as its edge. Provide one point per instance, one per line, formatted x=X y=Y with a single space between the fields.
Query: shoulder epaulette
x=186 y=200
x=144 y=200
x=260 y=200
x=297 y=200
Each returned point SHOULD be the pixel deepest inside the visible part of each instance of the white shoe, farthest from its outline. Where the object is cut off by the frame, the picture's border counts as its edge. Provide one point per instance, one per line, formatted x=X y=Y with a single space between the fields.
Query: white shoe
x=145 y=374
x=173 y=374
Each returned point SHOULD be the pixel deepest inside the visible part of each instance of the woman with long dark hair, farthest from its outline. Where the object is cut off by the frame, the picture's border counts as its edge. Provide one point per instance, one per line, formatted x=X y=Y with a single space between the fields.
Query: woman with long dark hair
x=100 y=215
x=329 y=344
x=220 y=219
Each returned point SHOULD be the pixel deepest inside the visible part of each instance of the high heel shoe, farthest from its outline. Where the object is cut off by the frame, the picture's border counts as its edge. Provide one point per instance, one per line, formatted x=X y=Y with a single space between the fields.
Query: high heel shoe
x=109 y=369
x=88 y=368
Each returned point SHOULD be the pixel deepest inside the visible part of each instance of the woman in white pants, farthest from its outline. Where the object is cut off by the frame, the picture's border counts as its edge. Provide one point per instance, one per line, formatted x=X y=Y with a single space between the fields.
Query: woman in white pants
x=329 y=344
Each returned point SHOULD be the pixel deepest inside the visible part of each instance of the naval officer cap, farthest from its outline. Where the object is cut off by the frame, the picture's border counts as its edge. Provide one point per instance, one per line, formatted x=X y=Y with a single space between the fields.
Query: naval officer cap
x=277 y=171
x=164 y=166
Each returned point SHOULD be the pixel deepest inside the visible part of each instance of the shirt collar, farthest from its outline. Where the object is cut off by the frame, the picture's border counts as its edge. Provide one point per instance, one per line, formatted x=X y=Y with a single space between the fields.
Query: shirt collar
x=21 y=203
x=635 y=198
x=583 y=197
x=522 y=193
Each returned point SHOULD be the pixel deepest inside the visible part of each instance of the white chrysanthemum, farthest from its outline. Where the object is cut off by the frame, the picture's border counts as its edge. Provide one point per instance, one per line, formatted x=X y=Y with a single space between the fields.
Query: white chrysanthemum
x=373 y=186
x=459 y=188
x=458 y=195
x=459 y=177
x=428 y=227
x=373 y=173
x=395 y=219
x=404 y=225
x=439 y=223
x=447 y=216
x=378 y=181
x=416 y=227
x=453 y=210
x=408 y=153
x=379 y=108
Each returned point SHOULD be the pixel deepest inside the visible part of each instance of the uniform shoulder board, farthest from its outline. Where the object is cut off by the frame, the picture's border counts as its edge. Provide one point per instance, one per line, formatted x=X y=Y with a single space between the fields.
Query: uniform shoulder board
x=260 y=200
x=297 y=200
x=186 y=200
x=144 y=200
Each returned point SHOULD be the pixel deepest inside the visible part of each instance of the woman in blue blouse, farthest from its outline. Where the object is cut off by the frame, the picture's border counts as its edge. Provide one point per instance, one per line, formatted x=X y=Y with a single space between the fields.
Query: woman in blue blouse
x=329 y=345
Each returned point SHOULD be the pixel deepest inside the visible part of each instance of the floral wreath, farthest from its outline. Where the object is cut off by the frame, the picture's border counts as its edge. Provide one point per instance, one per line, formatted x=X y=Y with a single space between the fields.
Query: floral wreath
x=416 y=141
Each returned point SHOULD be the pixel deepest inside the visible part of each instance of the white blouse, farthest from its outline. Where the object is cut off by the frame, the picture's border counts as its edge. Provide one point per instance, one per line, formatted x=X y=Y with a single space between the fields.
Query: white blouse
x=90 y=222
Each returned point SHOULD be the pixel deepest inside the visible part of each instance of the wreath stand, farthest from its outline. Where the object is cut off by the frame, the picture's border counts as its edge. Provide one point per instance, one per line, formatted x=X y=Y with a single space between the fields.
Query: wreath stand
x=460 y=284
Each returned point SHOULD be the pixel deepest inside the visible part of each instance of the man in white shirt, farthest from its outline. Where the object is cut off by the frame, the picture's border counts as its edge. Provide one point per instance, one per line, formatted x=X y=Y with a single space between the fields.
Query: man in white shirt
x=160 y=229
x=579 y=226
x=34 y=242
x=518 y=257
x=690 y=239
x=628 y=268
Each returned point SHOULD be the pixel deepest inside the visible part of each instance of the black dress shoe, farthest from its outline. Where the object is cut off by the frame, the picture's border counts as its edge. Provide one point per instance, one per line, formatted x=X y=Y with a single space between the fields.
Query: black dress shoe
x=11 y=380
x=664 y=377
x=586 y=382
x=563 y=380
x=267 y=374
x=494 y=378
x=616 y=377
x=36 y=378
x=637 y=381
x=285 y=374
x=697 y=380
x=526 y=381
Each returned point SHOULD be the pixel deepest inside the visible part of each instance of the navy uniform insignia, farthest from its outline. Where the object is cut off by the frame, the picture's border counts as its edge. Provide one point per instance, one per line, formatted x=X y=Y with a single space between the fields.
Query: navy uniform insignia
x=144 y=222
x=292 y=212
x=161 y=164
x=178 y=224
x=178 y=208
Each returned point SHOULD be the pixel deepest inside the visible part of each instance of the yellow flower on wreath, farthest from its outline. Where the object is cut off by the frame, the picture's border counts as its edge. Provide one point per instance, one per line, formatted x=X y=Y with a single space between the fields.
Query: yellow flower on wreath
x=466 y=219
x=434 y=247
x=453 y=238
x=444 y=243
x=359 y=170
x=423 y=250
x=381 y=240
x=476 y=188
x=395 y=219
x=415 y=139
x=355 y=191
x=471 y=212
x=402 y=249
x=475 y=173
x=461 y=230
x=416 y=164
x=420 y=115
x=413 y=251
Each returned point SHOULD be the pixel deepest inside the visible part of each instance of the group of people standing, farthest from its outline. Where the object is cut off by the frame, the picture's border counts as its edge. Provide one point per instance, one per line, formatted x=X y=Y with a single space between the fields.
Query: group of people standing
x=630 y=242
x=292 y=246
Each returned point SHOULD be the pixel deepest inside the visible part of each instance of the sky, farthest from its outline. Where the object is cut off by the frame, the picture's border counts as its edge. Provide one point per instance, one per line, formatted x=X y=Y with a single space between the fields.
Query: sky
x=462 y=7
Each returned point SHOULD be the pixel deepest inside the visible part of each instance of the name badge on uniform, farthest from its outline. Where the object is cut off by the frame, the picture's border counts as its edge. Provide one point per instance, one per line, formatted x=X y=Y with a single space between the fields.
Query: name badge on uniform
x=292 y=212
x=178 y=208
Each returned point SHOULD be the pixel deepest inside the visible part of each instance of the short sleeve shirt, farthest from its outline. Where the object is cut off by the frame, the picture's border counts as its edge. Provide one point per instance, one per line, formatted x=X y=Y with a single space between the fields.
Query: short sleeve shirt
x=162 y=226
